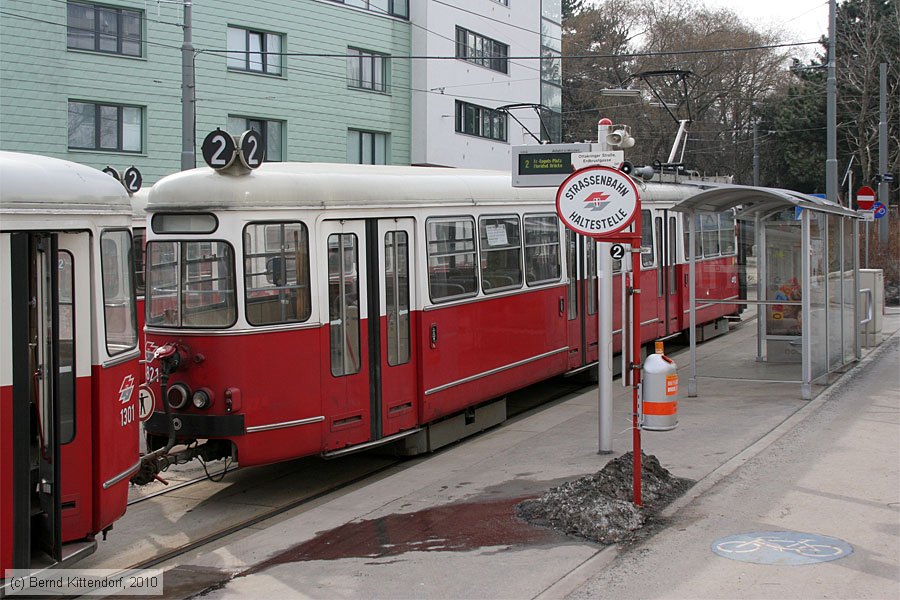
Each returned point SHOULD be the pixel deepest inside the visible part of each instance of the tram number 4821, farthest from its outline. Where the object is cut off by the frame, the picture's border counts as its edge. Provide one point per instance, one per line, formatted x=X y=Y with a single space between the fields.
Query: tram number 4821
x=127 y=414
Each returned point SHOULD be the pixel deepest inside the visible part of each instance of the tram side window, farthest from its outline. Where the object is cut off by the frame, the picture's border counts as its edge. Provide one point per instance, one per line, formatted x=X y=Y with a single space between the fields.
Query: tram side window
x=709 y=227
x=276 y=273
x=140 y=235
x=541 y=249
x=451 y=258
x=396 y=291
x=572 y=273
x=590 y=276
x=646 y=239
x=343 y=303
x=726 y=232
x=715 y=234
x=501 y=254
x=190 y=284
x=118 y=295
x=66 y=347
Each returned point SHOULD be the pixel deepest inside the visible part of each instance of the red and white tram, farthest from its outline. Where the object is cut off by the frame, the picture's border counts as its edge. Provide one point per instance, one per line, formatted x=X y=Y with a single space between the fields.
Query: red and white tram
x=321 y=308
x=68 y=359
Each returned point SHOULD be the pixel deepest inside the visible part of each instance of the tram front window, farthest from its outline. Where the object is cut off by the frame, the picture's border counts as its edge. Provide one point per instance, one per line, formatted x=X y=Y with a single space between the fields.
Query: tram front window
x=118 y=293
x=190 y=284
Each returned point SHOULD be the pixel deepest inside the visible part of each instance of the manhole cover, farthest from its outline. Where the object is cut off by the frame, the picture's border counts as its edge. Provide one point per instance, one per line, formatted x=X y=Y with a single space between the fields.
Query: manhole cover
x=781 y=548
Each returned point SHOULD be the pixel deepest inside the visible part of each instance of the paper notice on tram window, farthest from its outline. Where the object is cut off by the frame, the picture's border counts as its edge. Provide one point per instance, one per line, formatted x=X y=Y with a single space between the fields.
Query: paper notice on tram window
x=496 y=235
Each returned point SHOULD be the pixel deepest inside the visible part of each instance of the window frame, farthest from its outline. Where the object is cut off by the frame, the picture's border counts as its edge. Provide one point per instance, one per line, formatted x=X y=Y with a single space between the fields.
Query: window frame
x=263 y=129
x=393 y=290
x=299 y=285
x=478 y=49
x=375 y=136
x=97 y=34
x=125 y=288
x=98 y=127
x=263 y=52
x=525 y=246
x=486 y=248
x=466 y=111
x=393 y=10
x=181 y=280
x=379 y=64
x=474 y=253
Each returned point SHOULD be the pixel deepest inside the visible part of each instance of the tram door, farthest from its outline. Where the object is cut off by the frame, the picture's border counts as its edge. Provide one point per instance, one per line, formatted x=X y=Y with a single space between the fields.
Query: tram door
x=668 y=303
x=581 y=299
x=370 y=383
x=43 y=342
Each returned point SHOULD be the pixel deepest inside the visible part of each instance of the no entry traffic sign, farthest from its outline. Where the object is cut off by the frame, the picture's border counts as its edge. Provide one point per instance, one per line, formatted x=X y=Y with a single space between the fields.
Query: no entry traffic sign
x=865 y=197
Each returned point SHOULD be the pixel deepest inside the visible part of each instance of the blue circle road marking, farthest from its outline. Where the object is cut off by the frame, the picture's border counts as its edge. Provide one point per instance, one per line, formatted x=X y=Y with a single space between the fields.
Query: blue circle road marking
x=781 y=548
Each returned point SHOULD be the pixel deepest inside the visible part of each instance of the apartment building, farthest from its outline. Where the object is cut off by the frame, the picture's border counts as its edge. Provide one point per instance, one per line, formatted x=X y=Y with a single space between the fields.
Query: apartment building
x=100 y=83
x=504 y=52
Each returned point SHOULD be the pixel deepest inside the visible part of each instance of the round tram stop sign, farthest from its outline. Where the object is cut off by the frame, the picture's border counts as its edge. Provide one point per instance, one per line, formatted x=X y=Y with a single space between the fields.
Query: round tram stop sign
x=597 y=201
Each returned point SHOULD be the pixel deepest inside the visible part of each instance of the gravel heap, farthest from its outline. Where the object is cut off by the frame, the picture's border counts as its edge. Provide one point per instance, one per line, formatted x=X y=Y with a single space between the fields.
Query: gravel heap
x=600 y=507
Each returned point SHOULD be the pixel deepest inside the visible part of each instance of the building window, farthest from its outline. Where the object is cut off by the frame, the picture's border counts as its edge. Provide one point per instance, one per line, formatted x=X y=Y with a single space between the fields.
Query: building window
x=395 y=8
x=103 y=29
x=366 y=147
x=105 y=127
x=478 y=120
x=366 y=70
x=255 y=51
x=272 y=133
x=484 y=51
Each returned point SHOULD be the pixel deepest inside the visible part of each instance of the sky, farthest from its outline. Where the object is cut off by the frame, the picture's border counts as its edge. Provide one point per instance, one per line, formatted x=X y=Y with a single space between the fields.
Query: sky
x=801 y=20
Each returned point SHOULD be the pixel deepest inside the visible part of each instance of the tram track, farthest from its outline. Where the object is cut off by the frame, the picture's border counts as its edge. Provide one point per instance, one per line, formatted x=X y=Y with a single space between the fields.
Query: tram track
x=527 y=401
x=251 y=521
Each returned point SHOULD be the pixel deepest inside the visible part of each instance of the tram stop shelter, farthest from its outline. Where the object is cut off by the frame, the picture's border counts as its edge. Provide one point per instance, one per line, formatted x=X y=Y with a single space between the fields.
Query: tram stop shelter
x=797 y=264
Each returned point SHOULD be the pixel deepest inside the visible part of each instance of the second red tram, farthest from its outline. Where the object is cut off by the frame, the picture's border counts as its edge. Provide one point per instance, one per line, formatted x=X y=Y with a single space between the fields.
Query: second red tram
x=68 y=359
x=322 y=308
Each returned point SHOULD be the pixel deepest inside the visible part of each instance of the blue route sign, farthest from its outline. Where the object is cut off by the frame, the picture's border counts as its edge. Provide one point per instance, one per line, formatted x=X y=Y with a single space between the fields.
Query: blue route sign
x=880 y=210
x=781 y=548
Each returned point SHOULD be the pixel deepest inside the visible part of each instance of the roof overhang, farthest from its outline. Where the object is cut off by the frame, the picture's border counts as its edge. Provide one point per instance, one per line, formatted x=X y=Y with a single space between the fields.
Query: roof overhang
x=753 y=201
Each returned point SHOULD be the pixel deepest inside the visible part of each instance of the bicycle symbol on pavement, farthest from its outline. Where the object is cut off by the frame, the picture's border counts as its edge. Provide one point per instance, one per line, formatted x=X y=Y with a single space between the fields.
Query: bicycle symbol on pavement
x=781 y=548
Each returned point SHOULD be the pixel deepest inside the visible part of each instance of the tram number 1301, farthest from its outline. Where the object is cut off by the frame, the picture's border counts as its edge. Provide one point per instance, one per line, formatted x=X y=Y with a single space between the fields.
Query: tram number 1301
x=127 y=414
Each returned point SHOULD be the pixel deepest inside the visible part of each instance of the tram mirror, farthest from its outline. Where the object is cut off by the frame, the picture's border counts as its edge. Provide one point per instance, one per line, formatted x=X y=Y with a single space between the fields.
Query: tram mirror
x=275 y=271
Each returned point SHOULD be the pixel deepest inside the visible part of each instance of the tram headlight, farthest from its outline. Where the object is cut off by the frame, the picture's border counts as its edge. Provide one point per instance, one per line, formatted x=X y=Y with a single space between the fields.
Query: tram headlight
x=178 y=395
x=202 y=398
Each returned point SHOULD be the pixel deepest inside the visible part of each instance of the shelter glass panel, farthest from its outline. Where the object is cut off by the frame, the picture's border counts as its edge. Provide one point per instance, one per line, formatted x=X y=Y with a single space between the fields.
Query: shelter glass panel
x=848 y=283
x=835 y=294
x=818 y=300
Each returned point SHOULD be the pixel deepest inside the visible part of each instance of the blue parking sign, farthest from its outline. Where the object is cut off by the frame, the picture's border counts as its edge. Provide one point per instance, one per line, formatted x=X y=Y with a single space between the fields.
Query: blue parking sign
x=880 y=210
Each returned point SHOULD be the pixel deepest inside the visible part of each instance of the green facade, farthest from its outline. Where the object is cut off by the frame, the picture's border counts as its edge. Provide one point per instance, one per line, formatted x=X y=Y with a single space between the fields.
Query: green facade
x=40 y=75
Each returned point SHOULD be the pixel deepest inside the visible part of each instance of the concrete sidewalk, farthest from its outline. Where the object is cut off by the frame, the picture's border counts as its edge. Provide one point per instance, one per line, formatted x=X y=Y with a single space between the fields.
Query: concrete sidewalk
x=441 y=526
x=833 y=469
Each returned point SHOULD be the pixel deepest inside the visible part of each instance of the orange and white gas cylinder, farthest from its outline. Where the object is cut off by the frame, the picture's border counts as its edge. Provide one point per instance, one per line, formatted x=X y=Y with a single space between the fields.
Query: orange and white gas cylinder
x=659 y=402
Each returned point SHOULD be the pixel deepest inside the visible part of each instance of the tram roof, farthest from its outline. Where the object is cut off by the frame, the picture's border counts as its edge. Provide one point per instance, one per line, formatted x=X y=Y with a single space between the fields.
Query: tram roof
x=752 y=201
x=41 y=185
x=332 y=185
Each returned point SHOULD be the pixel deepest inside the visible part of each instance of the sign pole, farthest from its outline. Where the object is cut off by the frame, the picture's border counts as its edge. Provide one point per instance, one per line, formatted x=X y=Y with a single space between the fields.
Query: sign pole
x=636 y=353
x=602 y=203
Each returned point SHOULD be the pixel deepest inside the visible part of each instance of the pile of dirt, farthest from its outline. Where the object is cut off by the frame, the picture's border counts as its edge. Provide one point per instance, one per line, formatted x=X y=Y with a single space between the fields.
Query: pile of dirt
x=600 y=507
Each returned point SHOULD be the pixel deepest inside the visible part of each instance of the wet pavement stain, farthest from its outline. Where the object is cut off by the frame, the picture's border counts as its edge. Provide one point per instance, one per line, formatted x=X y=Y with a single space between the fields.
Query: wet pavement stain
x=456 y=527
